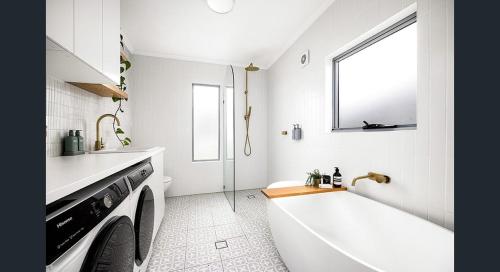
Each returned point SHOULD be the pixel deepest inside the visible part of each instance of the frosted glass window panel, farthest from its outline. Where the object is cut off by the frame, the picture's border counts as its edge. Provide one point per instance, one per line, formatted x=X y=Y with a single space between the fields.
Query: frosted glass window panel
x=379 y=83
x=229 y=123
x=205 y=122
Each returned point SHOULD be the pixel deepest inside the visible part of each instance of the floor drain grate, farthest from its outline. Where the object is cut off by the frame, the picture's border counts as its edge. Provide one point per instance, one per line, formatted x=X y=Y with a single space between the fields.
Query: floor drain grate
x=250 y=196
x=220 y=244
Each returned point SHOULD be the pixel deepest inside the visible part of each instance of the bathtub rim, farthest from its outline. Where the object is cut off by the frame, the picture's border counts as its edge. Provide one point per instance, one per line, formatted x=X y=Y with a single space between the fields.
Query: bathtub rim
x=342 y=251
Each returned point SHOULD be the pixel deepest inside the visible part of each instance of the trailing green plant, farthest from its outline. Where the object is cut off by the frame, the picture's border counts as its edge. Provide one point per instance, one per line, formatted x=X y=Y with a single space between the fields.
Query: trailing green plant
x=124 y=66
x=315 y=174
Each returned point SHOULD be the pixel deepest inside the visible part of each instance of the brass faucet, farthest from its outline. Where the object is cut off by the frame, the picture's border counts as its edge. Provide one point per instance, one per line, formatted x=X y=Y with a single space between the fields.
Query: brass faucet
x=98 y=142
x=379 y=178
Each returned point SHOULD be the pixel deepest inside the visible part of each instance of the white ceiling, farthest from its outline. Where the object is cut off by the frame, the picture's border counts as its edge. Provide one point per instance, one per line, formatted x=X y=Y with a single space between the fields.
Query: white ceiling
x=256 y=31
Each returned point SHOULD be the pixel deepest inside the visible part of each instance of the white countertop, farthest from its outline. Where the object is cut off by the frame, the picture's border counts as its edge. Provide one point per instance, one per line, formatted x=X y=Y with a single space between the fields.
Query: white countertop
x=68 y=174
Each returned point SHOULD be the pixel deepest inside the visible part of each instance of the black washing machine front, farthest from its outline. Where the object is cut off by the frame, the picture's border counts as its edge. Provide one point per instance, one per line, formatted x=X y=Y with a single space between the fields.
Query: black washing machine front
x=144 y=224
x=113 y=249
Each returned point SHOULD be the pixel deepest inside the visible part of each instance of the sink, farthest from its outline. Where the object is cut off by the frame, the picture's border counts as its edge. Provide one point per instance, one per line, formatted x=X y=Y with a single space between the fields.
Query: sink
x=122 y=150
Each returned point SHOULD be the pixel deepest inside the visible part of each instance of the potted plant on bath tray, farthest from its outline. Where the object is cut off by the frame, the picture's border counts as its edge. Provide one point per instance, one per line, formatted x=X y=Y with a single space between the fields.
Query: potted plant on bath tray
x=314 y=178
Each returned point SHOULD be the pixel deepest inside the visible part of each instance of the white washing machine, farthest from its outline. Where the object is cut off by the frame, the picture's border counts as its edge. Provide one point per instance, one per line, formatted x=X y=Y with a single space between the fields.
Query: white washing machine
x=142 y=211
x=91 y=230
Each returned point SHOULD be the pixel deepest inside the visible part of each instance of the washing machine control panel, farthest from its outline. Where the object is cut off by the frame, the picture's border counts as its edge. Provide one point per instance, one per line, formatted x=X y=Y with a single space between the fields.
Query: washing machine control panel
x=66 y=228
x=138 y=176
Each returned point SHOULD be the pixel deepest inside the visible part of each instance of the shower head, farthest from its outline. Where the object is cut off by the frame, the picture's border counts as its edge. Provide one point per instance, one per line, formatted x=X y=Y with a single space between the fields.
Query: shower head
x=251 y=68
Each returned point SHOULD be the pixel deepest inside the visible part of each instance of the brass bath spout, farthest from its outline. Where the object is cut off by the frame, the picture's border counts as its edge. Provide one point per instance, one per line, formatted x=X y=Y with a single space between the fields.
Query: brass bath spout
x=98 y=142
x=379 y=178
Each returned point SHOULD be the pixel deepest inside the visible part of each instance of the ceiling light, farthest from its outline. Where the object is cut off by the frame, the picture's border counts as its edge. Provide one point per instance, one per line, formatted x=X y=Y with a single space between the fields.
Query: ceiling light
x=221 y=6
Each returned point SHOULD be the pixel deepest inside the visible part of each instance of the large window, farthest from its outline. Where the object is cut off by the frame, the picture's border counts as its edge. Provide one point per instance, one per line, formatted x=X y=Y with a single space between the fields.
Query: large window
x=205 y=122
x=376 y=81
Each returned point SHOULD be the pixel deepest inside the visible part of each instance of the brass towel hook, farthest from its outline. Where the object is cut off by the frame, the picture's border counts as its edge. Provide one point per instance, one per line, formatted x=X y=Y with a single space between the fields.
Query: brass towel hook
x=379 y=178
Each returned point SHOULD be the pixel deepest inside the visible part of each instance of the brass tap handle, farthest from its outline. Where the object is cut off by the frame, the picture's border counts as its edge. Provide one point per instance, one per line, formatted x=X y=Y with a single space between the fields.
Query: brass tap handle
x=379 y=178
x=99 y=144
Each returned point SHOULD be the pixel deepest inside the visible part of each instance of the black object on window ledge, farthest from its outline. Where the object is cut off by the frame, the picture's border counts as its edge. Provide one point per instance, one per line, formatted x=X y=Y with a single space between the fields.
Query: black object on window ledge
x=376 y=126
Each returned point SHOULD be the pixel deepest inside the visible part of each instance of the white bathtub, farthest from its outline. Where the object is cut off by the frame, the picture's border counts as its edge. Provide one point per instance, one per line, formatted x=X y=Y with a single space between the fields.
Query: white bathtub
x=343 y=231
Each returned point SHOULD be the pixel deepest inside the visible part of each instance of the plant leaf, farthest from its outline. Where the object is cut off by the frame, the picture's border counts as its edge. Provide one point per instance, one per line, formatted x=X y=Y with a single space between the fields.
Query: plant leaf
x=119 y=131
x=126 y=143
x=122 y=70
x=115 y=99
x=128 y=139
x=127 y=64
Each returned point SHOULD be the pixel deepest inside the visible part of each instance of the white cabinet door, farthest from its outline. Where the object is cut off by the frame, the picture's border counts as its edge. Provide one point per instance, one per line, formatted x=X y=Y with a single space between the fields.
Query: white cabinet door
x=88 y=31
x=59 y=22
x=111 y=39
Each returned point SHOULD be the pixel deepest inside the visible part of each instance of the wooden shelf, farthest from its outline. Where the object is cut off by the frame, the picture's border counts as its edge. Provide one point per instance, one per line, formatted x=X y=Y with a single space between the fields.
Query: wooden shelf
x=106 y=90
x=298 y=190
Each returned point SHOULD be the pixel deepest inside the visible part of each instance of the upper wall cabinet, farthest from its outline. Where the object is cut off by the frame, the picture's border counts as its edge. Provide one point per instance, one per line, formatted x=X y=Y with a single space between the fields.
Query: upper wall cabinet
x=111 y=39
x=90 y=31
x=59 y=22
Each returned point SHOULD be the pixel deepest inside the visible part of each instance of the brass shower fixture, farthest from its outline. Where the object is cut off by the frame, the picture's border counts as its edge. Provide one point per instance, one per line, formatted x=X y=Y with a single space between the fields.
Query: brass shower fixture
x=379 y=178
x=251 y=68
x=248 y=109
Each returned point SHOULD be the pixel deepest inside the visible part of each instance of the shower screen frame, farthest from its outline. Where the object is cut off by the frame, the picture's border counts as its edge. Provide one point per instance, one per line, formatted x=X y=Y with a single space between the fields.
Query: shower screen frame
x=229 y=165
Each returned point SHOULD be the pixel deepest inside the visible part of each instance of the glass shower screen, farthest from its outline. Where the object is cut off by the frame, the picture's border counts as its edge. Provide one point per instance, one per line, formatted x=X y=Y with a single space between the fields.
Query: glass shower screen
x=228 y=137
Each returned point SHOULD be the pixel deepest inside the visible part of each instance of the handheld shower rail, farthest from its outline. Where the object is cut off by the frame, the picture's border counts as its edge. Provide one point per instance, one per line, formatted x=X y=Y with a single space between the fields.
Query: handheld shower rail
x=248 y=110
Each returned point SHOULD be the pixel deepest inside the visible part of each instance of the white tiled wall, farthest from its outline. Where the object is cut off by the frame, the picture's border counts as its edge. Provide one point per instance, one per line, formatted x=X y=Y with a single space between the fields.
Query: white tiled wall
x=162 y=114
x=69 y=107
x=420 y=162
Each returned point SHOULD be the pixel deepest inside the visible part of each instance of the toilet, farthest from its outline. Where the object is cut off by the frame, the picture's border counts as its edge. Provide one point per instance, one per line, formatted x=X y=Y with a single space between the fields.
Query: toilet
x=167 y=181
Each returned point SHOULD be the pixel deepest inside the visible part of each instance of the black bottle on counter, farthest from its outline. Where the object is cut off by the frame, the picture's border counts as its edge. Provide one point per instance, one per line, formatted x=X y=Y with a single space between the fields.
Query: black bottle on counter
x=337 y=178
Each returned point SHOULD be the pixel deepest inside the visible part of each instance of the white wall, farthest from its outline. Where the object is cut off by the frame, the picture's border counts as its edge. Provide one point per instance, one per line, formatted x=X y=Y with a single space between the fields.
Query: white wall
x=162 y=117
x=420 y=162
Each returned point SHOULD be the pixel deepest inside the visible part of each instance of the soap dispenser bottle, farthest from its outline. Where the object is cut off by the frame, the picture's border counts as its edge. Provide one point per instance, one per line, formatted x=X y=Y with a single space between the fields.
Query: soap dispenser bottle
x=80 y=140
x=70 y=144
x=337 y=178
x=296 y=132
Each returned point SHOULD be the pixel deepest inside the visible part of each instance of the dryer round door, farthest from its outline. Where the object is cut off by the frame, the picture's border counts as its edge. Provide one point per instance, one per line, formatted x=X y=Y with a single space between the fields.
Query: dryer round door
x=113 y=249
x=144 y=224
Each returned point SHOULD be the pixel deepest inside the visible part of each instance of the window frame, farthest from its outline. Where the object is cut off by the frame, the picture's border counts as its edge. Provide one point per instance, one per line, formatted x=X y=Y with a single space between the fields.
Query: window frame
x=218 y=121
x=401 y=24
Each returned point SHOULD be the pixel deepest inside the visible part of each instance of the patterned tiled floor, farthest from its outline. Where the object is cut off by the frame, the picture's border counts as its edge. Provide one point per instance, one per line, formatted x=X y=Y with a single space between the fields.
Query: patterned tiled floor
x=192 y=225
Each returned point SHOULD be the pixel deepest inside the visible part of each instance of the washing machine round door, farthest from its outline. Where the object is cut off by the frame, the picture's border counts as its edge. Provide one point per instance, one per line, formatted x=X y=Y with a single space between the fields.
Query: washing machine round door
x=113 y=249
x=144 y=223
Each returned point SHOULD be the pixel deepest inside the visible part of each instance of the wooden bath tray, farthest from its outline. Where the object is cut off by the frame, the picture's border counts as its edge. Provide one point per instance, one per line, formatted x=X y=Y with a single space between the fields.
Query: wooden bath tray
x=297 y=190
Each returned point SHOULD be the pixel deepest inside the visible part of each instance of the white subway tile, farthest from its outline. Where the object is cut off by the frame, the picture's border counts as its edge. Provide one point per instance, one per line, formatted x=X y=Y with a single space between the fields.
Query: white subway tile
x=420 y=161
x=69 y=107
